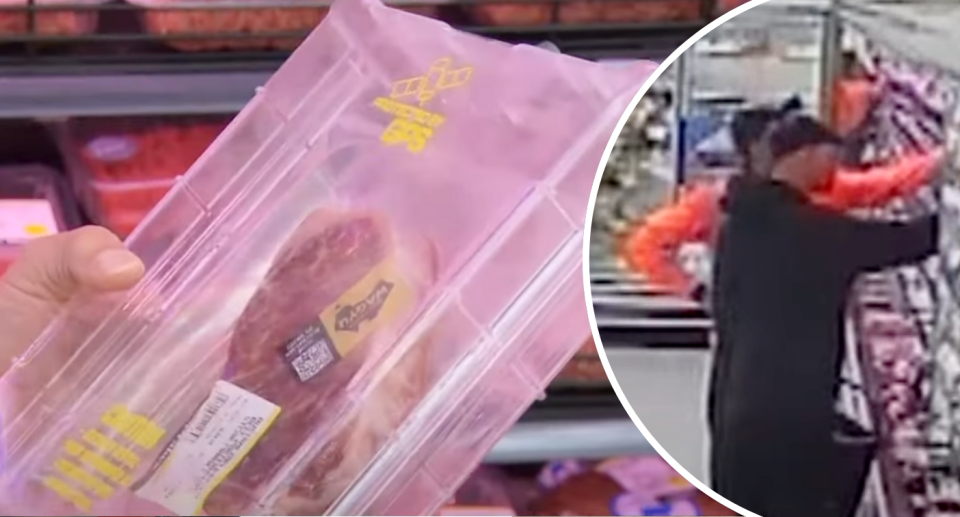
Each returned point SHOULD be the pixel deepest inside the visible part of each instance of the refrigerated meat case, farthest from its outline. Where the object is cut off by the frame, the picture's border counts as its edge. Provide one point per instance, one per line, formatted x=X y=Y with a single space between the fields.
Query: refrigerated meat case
x=903 y=369
x=114 y=79
x=906 y=320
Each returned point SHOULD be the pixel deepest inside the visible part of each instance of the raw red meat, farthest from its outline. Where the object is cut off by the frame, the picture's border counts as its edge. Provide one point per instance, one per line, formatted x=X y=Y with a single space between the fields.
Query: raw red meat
x=512 y=14
x=497 y=13
x=252 y=24
x=160 y=150
x=594 y=11
x=327 y=255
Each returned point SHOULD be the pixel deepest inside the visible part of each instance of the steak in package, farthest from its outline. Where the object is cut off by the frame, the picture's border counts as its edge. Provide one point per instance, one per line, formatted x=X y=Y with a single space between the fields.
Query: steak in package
x=349 y=298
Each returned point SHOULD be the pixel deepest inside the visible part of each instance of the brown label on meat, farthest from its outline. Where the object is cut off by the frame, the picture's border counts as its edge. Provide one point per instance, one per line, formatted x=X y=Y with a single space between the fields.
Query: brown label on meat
x=377 y=299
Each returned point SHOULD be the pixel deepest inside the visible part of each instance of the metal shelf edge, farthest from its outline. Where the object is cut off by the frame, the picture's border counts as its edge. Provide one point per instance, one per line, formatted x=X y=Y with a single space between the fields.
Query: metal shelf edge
x=117 y=94
x=530 y=442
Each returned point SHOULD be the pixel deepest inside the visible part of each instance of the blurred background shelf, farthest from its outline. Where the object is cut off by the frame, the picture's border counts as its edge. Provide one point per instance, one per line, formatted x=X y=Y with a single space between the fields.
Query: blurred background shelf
x=167 y=58
x=119 y=97
x=584 y=424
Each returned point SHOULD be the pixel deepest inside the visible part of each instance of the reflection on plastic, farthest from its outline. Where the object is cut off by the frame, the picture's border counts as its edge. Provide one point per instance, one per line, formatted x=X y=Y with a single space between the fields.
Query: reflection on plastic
x=329 y=324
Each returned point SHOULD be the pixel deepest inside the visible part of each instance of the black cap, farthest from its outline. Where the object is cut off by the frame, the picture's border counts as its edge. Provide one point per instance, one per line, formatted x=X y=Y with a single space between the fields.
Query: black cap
x=750 y=124
x=795 y=133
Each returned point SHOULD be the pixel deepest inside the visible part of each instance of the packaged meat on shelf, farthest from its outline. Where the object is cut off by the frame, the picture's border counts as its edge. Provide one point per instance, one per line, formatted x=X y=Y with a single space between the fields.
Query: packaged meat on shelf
x=122 y=167
x=596 y=11
x=77 y=17
x=204 y=25
x=584 y=370
x=363 y=283
x=500 y=13
x=630 y=485
x=122 y=205
x=34 y=202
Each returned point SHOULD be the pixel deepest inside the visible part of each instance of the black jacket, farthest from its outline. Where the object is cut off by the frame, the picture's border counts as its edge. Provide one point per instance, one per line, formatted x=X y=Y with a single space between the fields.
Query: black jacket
x=783 y=273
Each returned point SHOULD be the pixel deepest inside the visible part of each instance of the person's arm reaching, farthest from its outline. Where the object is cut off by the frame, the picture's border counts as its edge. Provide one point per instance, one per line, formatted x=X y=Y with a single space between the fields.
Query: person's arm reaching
x=877 y=186
x=652 y=247
x=870 y=246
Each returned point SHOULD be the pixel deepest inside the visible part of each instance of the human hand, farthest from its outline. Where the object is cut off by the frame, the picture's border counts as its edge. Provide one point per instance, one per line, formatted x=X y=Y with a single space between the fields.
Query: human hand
x=52 y=270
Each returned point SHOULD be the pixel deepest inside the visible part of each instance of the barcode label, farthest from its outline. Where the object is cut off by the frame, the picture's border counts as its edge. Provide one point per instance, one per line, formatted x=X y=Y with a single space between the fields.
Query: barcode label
x=311 y=361
x=220 y=435
x=311 y=351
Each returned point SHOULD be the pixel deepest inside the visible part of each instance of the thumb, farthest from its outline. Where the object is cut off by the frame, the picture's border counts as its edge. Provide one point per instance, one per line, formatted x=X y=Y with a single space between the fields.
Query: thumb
x=49 y=272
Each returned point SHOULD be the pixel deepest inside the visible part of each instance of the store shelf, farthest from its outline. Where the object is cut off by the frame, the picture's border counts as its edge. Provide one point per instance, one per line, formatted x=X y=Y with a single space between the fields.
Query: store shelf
x=658 y=304
x=104 y=84
x=111 y=93
x=666 y=389
x=598 y=439
x=571 y=423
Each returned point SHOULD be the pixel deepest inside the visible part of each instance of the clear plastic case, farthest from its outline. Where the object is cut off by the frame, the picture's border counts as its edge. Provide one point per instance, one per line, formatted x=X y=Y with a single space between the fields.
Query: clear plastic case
x=349 y=298
x=122 y=167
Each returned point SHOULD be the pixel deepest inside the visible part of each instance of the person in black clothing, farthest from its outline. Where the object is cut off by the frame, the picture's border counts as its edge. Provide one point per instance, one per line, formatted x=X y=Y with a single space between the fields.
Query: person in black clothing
x=782 y=278
x=748 y=127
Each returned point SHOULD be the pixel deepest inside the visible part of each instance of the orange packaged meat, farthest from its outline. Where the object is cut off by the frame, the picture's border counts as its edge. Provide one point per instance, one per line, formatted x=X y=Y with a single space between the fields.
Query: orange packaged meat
x=121 y=168
x=210 y=25
x=499 y=13
x=141 y=150
x=512 y=13
x=77 y=17
x=120 y=206
x=632 y=11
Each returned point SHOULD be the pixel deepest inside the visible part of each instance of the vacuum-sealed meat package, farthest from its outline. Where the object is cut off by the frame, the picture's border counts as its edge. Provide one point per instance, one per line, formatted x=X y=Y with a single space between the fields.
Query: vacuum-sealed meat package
x=49 y=17
x=350 y=296
x=209 y=25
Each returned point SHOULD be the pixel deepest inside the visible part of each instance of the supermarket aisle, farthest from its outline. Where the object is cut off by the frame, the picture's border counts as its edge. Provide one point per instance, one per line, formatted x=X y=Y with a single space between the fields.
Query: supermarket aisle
x=676 y=418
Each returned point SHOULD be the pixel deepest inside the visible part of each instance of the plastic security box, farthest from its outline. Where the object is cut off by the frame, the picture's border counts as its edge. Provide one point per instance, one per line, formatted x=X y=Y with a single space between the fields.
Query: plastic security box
x=350 y=297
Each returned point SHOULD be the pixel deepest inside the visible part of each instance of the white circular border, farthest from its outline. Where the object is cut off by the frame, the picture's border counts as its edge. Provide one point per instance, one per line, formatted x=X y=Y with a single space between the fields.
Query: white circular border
x=586 y=254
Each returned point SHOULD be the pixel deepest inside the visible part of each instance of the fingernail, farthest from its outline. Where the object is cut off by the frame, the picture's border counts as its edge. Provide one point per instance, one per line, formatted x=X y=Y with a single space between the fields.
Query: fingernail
x=116 y=262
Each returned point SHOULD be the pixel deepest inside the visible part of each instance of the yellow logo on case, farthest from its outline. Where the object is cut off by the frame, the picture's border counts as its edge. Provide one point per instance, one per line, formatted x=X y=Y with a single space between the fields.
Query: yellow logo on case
x=413 y=125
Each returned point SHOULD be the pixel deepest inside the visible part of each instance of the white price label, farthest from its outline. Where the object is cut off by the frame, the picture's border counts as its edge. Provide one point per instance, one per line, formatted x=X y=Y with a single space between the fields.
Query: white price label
x=207 y=450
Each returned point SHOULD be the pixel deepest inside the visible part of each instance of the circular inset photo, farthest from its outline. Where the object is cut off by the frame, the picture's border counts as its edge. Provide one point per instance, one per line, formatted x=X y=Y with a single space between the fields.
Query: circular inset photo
x=772 y=260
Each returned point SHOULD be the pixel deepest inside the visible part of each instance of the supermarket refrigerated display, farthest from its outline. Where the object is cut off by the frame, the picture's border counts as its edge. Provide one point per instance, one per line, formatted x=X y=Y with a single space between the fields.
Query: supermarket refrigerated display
x=126 y=65
x=116 y=97
x=909 y=332
x=905 y=340
x=627 y=485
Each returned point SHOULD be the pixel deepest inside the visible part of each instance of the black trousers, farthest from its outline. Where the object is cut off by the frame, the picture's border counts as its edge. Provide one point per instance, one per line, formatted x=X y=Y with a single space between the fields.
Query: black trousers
x=791 y=470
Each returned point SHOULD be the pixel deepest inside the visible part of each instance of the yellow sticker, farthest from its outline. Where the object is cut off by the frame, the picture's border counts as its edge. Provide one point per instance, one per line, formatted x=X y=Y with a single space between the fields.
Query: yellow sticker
x=36 y=230
x=413 y=125
x=91 y=468
x=378 y=298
